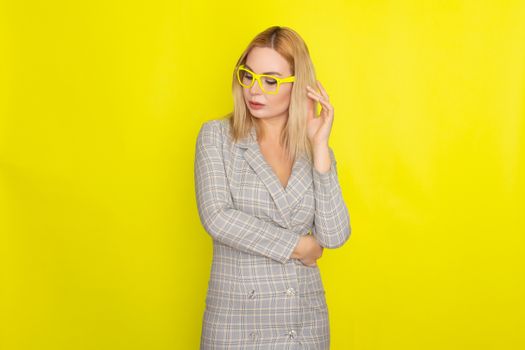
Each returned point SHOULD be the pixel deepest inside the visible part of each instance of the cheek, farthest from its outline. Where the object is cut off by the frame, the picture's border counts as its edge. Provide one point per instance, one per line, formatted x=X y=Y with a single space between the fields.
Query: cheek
x=282 y=100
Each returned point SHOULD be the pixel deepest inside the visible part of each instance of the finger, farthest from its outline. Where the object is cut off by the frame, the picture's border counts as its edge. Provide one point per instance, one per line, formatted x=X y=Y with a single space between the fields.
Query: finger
x=312 y=96
x=311 y=108
x=315 y=96
x=313 y=99
x=312 y=92
x=326 y=112
x=323 y=91
x=325 y=103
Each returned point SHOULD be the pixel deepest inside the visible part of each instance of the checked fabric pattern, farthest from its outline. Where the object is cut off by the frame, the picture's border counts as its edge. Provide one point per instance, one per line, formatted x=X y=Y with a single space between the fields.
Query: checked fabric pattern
x=258 y=297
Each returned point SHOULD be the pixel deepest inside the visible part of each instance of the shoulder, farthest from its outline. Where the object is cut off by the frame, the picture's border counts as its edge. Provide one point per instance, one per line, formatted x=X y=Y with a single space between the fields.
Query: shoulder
x=213 y=131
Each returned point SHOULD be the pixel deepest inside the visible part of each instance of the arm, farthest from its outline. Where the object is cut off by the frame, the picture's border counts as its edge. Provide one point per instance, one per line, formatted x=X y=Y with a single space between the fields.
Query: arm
x=332 y=220
x=221 y=221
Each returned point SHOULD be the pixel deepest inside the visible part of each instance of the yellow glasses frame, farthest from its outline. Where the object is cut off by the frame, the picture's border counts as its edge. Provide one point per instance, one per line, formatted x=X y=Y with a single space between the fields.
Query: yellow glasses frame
x=258 y=77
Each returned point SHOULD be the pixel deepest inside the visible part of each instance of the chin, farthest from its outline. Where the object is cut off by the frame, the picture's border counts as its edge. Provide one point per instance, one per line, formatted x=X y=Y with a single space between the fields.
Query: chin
x=257 y=114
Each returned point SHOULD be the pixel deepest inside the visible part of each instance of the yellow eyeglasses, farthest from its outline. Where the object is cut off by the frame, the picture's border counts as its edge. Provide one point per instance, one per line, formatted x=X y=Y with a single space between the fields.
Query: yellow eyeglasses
x=269 y=83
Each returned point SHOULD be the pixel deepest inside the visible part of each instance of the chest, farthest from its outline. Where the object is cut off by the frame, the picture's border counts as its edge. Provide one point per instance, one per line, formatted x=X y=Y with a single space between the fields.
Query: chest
x=279 y=162
x=254 y=176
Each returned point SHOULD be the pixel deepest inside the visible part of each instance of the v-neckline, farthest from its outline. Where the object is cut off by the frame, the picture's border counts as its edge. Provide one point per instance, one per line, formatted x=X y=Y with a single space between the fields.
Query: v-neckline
x=274 y=174
x=284 y=198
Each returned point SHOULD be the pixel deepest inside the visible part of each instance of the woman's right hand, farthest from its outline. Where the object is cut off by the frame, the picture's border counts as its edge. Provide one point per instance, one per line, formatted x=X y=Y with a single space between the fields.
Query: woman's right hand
x=308 y=250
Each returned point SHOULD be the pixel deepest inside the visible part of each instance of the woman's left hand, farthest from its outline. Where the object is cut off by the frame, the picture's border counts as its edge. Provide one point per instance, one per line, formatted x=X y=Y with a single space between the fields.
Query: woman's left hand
x=319 y=127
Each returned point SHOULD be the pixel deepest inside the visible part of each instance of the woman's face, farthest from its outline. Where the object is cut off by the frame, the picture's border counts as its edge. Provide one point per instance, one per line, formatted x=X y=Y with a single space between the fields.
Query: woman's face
x=262 y=60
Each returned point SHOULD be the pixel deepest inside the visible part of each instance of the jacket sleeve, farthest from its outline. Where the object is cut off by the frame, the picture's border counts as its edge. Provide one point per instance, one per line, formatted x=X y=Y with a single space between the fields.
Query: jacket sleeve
x=219 y=218
x=332 y=220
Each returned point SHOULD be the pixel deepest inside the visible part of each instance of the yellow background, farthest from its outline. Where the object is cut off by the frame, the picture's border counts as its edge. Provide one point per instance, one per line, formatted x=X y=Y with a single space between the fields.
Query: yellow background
x=101 y=246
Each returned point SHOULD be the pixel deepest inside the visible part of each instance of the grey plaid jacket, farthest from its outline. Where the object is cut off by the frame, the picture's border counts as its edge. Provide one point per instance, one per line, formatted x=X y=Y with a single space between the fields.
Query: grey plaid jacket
x=258 y=297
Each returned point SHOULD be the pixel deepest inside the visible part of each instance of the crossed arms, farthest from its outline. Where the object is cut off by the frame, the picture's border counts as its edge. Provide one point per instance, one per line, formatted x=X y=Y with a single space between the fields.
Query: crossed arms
x=248 y=233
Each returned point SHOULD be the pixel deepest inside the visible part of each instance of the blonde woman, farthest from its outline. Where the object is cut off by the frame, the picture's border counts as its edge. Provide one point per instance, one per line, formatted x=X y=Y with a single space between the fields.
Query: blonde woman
x=268 y=194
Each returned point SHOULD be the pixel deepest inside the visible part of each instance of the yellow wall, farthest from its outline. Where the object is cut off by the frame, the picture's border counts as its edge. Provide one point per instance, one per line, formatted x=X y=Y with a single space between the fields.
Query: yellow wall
x=101 y=246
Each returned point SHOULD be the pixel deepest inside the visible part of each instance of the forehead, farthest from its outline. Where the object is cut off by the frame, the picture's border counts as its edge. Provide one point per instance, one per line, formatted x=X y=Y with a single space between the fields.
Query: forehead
x=265 y=59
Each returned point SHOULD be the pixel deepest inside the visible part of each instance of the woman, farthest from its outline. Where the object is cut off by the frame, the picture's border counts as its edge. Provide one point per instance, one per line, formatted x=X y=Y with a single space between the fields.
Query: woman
x=265 y=178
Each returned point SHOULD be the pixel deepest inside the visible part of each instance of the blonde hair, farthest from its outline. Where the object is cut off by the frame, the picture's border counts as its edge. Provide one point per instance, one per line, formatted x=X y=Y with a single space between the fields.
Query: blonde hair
x=291 y=46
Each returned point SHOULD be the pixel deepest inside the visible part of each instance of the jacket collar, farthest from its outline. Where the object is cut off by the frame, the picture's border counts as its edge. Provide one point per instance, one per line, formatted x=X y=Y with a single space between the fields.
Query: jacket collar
x=299 y=182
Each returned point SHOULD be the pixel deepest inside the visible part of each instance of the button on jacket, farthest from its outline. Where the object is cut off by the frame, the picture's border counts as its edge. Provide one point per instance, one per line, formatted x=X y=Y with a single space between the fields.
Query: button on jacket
x=258 y=297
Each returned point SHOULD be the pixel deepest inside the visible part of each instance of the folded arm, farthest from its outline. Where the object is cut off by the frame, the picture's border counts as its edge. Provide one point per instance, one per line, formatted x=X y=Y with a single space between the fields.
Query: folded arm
x=219 y=218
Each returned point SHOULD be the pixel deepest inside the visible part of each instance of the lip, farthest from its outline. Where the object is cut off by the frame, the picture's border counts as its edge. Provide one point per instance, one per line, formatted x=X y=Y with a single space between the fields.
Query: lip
x=256 y=105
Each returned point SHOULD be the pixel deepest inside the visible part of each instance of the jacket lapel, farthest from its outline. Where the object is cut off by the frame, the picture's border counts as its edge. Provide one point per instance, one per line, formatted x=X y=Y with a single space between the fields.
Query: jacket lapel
x=285 y=199
x=300 y=181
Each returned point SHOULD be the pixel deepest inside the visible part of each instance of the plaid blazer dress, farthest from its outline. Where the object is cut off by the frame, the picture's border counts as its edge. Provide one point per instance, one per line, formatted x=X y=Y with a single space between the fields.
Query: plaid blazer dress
x=258 y=297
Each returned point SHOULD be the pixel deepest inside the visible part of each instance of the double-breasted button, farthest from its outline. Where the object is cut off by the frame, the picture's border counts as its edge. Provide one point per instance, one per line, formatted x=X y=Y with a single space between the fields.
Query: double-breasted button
x=290 y=291
x=292 y=334
x=251 y=295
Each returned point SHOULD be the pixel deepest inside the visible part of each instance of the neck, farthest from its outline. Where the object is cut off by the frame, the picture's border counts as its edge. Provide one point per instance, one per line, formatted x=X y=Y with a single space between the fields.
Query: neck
x=270 y=129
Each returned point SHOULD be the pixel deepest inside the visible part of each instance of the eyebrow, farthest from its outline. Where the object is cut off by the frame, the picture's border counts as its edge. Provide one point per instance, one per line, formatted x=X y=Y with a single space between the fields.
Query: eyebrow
x=276 y=73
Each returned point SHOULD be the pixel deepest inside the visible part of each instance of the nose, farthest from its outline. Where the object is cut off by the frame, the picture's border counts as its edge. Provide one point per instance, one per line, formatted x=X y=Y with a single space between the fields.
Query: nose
x=256 y=88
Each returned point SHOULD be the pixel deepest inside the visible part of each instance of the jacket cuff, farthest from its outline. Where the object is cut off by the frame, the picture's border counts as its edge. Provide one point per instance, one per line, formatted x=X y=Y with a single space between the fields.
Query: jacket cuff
x=291 y=247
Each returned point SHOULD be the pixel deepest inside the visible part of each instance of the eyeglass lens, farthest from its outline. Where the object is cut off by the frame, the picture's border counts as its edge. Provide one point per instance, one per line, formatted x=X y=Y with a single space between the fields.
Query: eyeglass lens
x=268 y=84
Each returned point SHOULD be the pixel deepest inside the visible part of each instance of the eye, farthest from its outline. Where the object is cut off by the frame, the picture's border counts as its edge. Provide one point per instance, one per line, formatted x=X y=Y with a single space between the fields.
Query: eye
x=270 y=81
x=247 y=75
